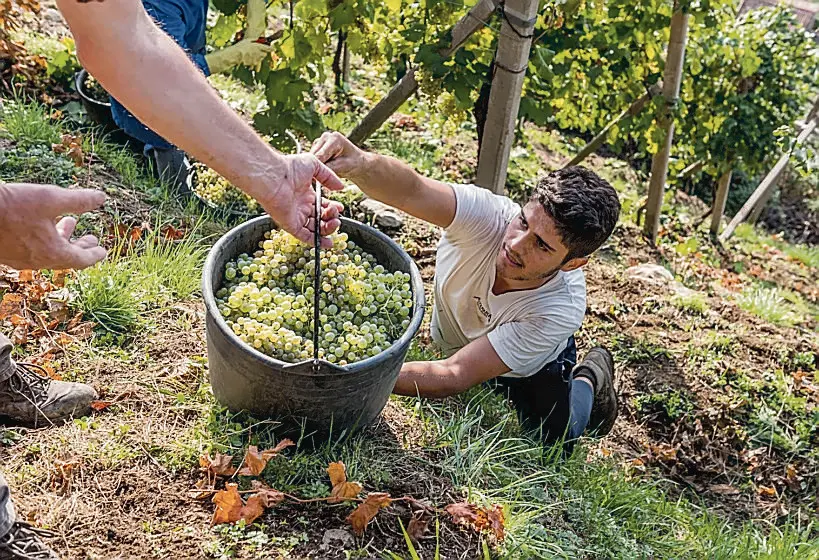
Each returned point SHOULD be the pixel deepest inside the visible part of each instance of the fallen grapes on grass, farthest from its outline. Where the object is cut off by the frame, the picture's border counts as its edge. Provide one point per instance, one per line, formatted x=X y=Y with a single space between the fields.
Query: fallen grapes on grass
x=267 y=299
x=216 y=190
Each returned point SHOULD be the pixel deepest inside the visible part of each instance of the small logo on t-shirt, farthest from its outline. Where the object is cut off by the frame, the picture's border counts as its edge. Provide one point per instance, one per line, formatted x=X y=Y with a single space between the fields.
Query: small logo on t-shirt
x=484 y=311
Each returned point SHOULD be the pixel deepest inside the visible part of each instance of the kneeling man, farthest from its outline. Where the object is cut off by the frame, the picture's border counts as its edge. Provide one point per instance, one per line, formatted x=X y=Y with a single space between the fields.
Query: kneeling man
x=509 y=288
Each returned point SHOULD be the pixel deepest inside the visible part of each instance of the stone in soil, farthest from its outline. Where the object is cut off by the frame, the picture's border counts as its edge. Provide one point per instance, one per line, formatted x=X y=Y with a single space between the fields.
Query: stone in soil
x=385 y=216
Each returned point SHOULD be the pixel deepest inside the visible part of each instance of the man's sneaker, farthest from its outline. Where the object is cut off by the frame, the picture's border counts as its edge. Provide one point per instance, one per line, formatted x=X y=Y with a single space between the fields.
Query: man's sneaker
x=23 y=542
x=598 y=367
x=173 y=167
x=33 y=399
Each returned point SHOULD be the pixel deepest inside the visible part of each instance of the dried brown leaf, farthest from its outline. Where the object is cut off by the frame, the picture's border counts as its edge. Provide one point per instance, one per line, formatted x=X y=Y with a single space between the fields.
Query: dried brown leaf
x=171 y=233
x=766 y=491
x=206 y=489
x=723 y=489
x=19 y=335
x=74 y=322
x=790 y=473
x=419 y=524
x=228 y=505
x=466 y=514
x=83 y=331
x=480 y=519
x=12 y=304
x=496 y=522
x=337 y=472
x=58 y=310
x=270 y=497
x=219 y=465
x=252 y=510
x=70 y=145
x=342 y=489
x=18 y=320
x=364 y=513
x=345 y=491
x=62 y=475
x=255 y=461
x=58 y=277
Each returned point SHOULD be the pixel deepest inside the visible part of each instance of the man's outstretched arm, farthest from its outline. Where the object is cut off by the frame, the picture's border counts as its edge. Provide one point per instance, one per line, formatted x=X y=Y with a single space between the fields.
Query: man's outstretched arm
x=388 y=180
x=151 y=76
x=471 y=365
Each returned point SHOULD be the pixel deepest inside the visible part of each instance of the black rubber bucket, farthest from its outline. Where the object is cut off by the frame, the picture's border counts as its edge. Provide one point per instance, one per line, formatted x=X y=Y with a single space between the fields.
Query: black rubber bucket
x=333 y=402
x=99 y=111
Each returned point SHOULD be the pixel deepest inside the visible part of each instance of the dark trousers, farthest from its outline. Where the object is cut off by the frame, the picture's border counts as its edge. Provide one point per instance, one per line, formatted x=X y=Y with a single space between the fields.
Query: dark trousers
x=544 y=400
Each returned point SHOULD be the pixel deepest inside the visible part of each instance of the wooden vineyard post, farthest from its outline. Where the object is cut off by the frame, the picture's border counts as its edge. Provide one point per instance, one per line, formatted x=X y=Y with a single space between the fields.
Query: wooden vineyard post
x=767 y=185
x=720 y=199
x=511 y=61
x=474 y=19
x=634 y=109
x=766 y=198
x=674 y=63
x=814 y=111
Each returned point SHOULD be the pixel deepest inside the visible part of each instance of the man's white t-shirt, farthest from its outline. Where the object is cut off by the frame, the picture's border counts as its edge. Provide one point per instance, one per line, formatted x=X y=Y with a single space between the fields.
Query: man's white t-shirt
x=527 y=328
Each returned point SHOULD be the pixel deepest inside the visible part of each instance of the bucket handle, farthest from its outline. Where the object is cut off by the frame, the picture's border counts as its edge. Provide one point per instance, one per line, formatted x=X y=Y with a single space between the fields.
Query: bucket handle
x=314 y=366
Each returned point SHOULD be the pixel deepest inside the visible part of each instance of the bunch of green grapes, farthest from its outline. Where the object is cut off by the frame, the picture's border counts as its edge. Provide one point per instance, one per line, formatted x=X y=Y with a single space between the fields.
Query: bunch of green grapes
x=216 y=190
x=267 y=299
x=95 y=90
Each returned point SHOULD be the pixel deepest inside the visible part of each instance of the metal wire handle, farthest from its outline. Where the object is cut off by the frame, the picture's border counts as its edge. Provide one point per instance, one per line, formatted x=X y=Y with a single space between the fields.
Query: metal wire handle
x=317 y=279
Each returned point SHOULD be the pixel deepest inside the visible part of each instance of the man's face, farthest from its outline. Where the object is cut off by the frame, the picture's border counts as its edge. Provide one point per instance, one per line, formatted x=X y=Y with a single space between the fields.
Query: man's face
x=532 y=249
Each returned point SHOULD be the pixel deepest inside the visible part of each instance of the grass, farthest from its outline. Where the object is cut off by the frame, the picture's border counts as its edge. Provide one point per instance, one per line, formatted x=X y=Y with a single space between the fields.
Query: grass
x=751 y=237
x=767 y=303
x=636 y=351
x=28 y=123
x=420 y=153
x=692 y=302
x=671 y=404
x=117 y=292
x=37 y=164
x=586 y=507
x=122 y=160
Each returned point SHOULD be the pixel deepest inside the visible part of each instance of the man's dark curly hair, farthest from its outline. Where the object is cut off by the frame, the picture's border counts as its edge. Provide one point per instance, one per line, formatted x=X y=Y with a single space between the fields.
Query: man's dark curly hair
x=584 y=207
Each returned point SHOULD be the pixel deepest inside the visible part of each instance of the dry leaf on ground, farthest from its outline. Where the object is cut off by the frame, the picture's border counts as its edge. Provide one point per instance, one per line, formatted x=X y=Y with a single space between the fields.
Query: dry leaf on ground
x=252 y=510
x=419 y=524
x=219 y=465
x=11 y=305
x=342 y=489
x=228 y=505
x=269 y=497
x=255 y=461
x=480 y=519
x=767 y=491
x=723 y=489
x=364 y=513
x=70 y=145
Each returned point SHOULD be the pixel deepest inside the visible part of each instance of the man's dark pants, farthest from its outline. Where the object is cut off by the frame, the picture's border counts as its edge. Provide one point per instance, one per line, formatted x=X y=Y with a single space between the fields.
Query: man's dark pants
x=551 y=402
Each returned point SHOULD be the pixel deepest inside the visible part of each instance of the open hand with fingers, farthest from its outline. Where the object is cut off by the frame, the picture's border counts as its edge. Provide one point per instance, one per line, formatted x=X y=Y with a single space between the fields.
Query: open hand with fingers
x=292 y=205
x=32 y=238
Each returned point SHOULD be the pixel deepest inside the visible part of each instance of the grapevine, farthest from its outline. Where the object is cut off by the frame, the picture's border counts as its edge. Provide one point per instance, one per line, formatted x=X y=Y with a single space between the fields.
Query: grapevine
x=267 y=300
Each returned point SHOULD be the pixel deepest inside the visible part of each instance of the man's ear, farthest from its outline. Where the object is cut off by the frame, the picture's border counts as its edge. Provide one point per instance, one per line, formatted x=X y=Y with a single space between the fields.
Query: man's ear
x=573 y=264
